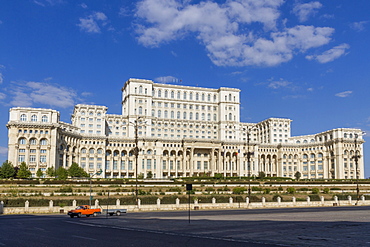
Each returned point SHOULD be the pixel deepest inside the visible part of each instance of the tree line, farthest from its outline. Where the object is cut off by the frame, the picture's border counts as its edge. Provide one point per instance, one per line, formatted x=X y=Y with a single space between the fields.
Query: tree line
x=8 y=170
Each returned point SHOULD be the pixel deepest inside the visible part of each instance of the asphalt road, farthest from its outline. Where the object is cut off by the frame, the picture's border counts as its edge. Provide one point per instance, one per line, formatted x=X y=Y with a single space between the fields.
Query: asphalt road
x=334 y=226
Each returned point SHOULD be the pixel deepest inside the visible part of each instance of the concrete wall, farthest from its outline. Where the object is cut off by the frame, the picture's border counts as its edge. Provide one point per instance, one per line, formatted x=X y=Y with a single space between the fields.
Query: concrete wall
x=194 y=205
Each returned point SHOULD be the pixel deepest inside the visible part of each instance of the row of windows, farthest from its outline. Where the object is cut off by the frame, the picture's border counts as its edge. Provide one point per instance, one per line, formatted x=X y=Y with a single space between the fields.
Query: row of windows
x=33 y=131
x=32 y=141
x=91 y=113
x=185 y=95
x=304 y=156
x=185 y=106
x=34 y=118
x=32 y=158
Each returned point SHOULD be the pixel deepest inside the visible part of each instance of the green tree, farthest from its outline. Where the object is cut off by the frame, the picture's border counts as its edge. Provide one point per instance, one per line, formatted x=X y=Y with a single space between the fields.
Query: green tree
x=238 y=190
x=39 y=173
x=23 y=171
x=149 y=174
x=61 y=173
x=290 y=190
x=297 y=175
x=76 y=171
x=50 y=172
x=7 y=170
x=261 y=175
x=315 y=190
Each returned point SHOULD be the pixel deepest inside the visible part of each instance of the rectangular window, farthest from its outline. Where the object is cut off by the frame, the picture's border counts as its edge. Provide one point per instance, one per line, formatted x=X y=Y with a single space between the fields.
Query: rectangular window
x=164 y=165
x=91 y=165
x=21 y=158
x=130 y=164
x=123 y=165
x=312 y=168
x=199 y=165
x=42 y=158
x=107 y=165
x=32 y=158
x=205 y=163
x=115 y=165
x=149 y=164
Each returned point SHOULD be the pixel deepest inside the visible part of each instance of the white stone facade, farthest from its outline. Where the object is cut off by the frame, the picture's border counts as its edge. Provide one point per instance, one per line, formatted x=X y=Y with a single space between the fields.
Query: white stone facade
x=180 y=131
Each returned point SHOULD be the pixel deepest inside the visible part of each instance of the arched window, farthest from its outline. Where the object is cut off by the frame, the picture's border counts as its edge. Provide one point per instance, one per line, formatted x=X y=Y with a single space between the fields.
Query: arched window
x=22 y=141
x=178 y=115
x=190 y=115
x=178 y=95
x=203 y=97
x=230 y=116
x=184 y=115
x=197 y=116
x=153 y=92
x=33 y=141
x=44 y=119
x=159 y=93
x=165 y=114
x=140 y=110
x=197 y=96
x=23 y=117
x=184 y=95
x=172 y=115
x=214 y=117
x=159 y=113
x=191 y=96
x=229 y=97
x=209 y=117
x=305 y=156
x=91 y=150
x=83 y=151
x=345 y=135
x=203 y=116
x=214 y=98
x=166 y=94
x=172 y=94
x=141 y=89
x=33 y=118
x=153 y=113
x=43 y=142
x=100 y=151
x=209 y=97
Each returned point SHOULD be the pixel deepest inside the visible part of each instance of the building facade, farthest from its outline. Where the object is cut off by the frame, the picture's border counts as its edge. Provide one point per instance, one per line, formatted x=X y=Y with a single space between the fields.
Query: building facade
x=169 y=131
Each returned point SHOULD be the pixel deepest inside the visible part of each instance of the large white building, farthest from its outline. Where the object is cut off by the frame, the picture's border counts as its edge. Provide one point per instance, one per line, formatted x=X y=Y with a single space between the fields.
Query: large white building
x=179 y=131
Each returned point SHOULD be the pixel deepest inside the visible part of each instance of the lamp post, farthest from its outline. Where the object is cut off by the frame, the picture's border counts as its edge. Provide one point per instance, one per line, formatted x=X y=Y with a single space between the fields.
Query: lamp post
x=96 y=173
x=356 y=157
x=247 y=130
x=136 y=151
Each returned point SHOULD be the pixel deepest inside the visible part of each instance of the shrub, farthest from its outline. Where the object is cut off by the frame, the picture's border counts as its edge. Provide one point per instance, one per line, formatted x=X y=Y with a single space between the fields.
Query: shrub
x=238 y=190
x=267 y=191
x=315 y=190
x=326 y=190
x=291 y=190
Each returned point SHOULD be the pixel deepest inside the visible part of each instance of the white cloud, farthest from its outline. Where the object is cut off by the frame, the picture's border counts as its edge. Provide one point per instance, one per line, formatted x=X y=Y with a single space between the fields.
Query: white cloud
x=304 y=10
x=1 y=78
x=225 y=32
x=344 y=94
x=3 y=150
x=330 y=55
x=91 y=23
x=166 y=79
x=83 y=5
x=2 y=96
x=43 y=3
x=31 y=93
x=279 y=84
x=359 y=26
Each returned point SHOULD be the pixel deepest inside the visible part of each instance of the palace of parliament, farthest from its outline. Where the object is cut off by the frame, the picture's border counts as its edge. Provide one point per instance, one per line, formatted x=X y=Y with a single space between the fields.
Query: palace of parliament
x=169 y=131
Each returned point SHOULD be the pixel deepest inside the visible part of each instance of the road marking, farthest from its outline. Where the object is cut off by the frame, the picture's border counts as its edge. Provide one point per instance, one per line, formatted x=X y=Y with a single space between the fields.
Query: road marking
x=84 y=237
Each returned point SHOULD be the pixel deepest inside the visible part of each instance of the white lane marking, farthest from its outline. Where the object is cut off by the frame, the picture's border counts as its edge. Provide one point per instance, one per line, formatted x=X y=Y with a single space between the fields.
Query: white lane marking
x=75 y=236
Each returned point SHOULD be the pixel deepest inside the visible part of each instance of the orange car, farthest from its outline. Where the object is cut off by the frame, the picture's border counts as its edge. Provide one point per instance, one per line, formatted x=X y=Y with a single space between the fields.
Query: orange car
x=84 y=210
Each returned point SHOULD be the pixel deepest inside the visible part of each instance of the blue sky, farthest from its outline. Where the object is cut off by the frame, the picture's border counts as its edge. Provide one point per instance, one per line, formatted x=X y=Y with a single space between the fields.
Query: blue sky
x=303 y=60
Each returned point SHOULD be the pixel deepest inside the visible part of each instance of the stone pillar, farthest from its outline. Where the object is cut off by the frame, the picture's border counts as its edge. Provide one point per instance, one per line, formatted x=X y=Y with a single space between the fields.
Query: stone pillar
x=26 y=206
x=177 y=202
x=158 y=203
x=118 y=203
x=138 y=203
x=322 y=200
x=263 y=201
x=247 y=200
x=279 y=200
x=1 y=207
x=308 y=200
x=213 y=200
x=349 y=200
x=96 y=203
x=363 y=198
x=294 y=200
x=74 y=203
x=51 y=205
x=195 y=201
x=336 y=199
x=230 y=200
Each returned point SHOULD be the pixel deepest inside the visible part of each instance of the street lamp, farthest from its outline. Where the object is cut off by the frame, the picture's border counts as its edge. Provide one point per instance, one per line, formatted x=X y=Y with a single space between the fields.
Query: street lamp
x=96 y=173
x=247 y=130
x=356 y=157
x=136 y=150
